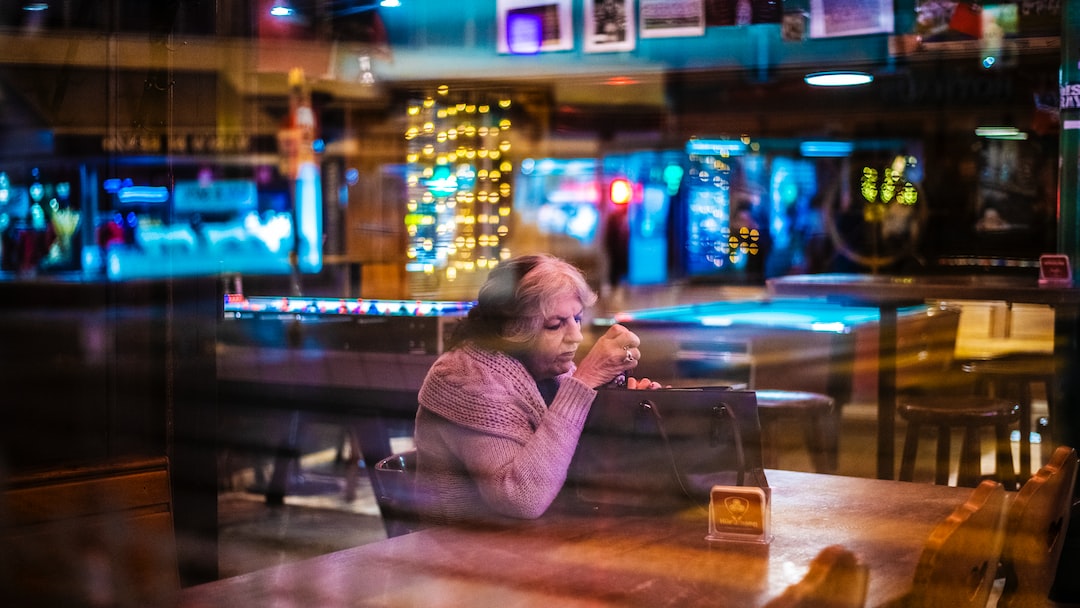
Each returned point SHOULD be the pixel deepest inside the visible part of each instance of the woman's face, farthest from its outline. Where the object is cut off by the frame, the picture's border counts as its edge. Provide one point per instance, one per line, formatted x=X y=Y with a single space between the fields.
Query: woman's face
x=552 y=352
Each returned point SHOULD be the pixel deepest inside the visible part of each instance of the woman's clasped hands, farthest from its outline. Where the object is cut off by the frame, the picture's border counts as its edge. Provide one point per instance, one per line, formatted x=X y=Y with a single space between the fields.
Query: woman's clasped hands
x=613 y=356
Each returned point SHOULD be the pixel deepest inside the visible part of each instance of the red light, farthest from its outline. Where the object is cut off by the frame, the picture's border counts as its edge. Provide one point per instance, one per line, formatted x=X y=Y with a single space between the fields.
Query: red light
x=621 y=191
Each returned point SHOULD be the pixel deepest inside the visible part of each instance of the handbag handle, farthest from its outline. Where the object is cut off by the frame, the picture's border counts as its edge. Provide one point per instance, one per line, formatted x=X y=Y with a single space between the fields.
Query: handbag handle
x=720 y=413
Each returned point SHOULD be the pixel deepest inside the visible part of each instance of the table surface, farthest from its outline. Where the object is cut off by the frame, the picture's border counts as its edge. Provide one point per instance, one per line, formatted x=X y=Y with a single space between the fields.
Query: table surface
x=587 y=560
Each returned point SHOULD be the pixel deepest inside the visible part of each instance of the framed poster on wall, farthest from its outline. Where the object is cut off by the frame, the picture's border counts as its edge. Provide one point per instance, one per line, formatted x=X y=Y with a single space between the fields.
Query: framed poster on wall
x=527 y=27
x=609 y=26
x=832 y=18
x=672 y=18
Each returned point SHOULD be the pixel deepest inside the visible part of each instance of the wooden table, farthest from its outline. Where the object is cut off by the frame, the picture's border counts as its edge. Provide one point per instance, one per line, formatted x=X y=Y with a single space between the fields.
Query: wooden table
x=581 y=560
x=890 y=293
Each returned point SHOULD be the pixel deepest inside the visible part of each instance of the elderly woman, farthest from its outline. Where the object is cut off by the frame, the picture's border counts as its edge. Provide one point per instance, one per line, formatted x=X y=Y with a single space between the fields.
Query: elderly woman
x=502 y=410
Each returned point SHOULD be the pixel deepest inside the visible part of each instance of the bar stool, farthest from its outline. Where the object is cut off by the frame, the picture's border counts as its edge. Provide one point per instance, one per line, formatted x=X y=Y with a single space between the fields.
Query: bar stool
x=971 y=413
x=1011 y=376
x=731 y=363
x=813 y=410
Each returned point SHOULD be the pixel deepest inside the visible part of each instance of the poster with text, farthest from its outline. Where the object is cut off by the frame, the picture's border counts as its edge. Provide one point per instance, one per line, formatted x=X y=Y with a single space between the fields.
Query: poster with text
x=672 y=18
x=609 y=26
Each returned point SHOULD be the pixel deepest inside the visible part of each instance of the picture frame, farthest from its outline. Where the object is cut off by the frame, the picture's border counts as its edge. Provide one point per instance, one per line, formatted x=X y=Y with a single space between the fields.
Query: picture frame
x=835 y=18
x=671 y=18
x=609 y=26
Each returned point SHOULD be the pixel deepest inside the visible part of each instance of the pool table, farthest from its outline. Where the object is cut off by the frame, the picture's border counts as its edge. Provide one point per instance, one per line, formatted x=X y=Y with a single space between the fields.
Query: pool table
x=807 y=344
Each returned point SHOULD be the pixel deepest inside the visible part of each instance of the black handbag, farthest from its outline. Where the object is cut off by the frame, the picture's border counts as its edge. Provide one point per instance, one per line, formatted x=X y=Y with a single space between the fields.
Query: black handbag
x=665 y=449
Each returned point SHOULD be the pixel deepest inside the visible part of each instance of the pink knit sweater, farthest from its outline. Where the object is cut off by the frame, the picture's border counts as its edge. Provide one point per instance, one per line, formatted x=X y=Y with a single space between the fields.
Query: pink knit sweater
x=487 y=445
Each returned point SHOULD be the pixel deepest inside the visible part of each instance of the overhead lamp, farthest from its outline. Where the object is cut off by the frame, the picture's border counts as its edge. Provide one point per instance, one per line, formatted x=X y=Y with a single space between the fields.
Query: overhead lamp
x=838 y=79
x=1001 y=133
x=281 y=8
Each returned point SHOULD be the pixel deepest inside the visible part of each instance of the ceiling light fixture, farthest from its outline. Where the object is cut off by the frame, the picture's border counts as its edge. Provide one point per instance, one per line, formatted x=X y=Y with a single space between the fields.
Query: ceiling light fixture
x=995 y=131
x=281 y=8
x=1001 y=133
x=838 y=79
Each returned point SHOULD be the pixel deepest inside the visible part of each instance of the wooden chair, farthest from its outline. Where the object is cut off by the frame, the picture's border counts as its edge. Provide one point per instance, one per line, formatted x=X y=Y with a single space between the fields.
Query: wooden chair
x=394 y=493
x=836 y=579
x=934 y=392
x=811 y=410
x=959 y=562
x=971 y=414
x=1035 y=533
x=97 y=535
x=1012 y=376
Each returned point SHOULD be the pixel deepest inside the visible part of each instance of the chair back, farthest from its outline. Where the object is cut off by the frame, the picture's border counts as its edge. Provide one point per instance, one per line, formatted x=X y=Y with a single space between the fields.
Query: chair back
x=90 y=536
x=1035 y=532
x=394 y=482
x=925 y=347
x=959 y=561
x=836 y=579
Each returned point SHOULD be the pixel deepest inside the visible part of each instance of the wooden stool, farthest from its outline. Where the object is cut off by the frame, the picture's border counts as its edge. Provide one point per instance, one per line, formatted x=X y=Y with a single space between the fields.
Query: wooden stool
x=811 y=409
x=970 y=413
x=1011 y=376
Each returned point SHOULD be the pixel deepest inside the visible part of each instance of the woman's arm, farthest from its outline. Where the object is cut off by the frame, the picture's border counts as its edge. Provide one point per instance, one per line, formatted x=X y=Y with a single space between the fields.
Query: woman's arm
x=522 y=479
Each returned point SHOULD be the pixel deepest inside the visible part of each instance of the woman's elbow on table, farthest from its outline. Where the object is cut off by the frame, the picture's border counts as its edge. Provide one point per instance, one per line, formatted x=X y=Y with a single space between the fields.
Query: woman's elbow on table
x=519 y=502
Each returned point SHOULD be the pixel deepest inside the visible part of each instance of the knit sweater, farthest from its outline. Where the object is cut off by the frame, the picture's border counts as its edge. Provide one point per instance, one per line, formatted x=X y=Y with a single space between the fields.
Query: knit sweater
x=487 y=445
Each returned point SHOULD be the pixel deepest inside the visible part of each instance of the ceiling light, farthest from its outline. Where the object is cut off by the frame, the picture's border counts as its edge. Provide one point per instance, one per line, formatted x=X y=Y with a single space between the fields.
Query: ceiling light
x=1001 y=133
x=996 y=131
x=838 y=79
x=281 y=9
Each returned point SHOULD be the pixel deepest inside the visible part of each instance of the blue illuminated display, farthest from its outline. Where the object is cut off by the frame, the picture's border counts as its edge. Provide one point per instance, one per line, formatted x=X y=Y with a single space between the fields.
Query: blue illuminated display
x=216 y=228
x=239 y=305
x=524 y=32
x=796 y=314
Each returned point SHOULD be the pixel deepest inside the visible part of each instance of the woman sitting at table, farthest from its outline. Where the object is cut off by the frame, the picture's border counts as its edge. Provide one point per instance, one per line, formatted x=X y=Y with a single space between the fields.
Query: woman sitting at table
x=502 y=409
